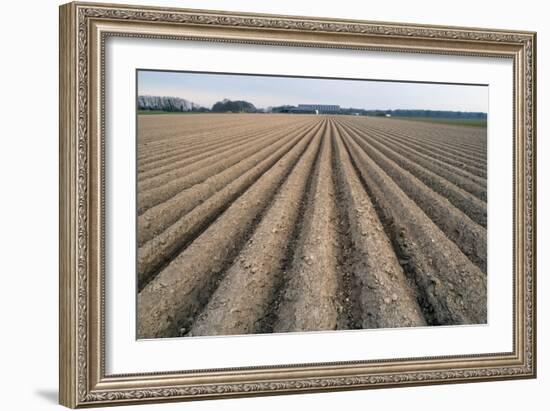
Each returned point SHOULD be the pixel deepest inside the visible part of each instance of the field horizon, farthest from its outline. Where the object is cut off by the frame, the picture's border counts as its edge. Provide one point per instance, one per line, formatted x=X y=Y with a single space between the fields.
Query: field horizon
x=440 y=120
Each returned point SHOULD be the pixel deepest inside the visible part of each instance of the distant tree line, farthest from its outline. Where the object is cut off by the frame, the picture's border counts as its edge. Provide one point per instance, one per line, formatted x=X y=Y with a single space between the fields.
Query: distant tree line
x=176 y=104
x=228 y=106
x=168 y=104
x=395 y=113
x=425 y=113
x=281 y=109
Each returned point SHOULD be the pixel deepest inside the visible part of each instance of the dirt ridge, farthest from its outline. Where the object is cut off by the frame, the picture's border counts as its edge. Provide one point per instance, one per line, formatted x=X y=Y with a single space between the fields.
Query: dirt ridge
x=260 y=223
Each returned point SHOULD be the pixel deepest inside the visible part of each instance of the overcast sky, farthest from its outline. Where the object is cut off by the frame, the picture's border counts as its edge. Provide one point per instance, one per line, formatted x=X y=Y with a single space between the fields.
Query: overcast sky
x=264 y=91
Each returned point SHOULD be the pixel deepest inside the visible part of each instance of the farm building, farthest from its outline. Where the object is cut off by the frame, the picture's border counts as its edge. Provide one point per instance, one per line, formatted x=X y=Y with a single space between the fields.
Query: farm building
x=320 y=108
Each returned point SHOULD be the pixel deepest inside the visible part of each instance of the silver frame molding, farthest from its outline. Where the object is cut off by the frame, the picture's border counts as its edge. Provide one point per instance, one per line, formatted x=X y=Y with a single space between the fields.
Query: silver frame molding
x=84 y=27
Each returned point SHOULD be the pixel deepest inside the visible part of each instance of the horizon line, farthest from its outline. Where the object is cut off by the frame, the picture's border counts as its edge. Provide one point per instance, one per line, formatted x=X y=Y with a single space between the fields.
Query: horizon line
x=322 y=104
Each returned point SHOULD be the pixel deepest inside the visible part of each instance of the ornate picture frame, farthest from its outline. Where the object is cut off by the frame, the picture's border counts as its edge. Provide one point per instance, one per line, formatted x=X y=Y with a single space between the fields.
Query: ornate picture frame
x=84 y=29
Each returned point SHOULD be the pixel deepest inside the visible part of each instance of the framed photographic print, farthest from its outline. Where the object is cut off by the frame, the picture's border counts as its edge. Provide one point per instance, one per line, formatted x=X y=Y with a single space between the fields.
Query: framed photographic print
x=259 y=204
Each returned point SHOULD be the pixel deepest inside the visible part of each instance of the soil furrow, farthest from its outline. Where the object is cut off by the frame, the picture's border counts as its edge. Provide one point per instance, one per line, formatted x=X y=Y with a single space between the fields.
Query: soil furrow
x=384 y=296
x=186 y=134
x=451 y=289
x=173 y=157
x=439 y=146
x=185 y=131
x=477 y=149
x=195 y=174
x=246 y=292
x=470 y=205
x=157 y=251
x=473 y=184
x=470 y=237
x=310 y=298
x=227 y=153
x=477 y=168
x=473 y=140
x=188 y=158
x=158 y=218
x=352 y=315
x=263 y=223
x=171 y=300
x=462 y=148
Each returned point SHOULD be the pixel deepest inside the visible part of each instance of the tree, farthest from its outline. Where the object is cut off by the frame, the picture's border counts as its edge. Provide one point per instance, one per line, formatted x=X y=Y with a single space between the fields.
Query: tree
x=228 y=106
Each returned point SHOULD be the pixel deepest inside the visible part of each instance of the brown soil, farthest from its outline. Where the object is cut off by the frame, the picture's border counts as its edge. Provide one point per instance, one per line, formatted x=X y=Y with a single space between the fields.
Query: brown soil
x=280 y=223
x=309 y=300
x=469 y=236
x=170 y=302
x=258 y=270
x=156 y=219
x=467 y=181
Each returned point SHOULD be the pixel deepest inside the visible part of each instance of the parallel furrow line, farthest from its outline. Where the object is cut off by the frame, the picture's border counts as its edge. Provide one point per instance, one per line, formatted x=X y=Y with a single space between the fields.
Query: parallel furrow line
x=472 y=140
x=194 y=174
x=172 y=299
x=469 y=204
x=470 y=237
x=440 y=146
x=469 y=182
x=208 y=143
x=247 y=290
x=230 y=182
x=477 y=168
x=169 y=132
x=384 y=295
x=310 y=297
x=187 y=138
x=224 y=154
x=187 y=158
x=452 y=290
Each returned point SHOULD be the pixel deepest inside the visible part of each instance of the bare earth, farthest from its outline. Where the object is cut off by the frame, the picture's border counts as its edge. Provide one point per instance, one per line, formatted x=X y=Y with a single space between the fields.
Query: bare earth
x=260 y=223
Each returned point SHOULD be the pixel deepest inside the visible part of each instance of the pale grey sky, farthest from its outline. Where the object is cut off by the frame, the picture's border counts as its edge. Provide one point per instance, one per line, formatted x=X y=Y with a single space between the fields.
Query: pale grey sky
x=264 y=91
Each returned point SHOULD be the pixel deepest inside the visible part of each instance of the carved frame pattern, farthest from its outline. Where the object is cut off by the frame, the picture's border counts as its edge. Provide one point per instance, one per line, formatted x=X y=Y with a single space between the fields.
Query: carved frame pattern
x=79 y=386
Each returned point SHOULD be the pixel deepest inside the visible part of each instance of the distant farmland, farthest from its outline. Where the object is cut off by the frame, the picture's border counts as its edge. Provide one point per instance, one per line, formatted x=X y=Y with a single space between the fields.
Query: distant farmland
x=260 y=223
x=475 y=122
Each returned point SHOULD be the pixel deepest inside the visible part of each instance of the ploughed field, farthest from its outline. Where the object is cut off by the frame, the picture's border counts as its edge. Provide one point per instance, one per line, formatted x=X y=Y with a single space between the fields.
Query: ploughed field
x=259 y=223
